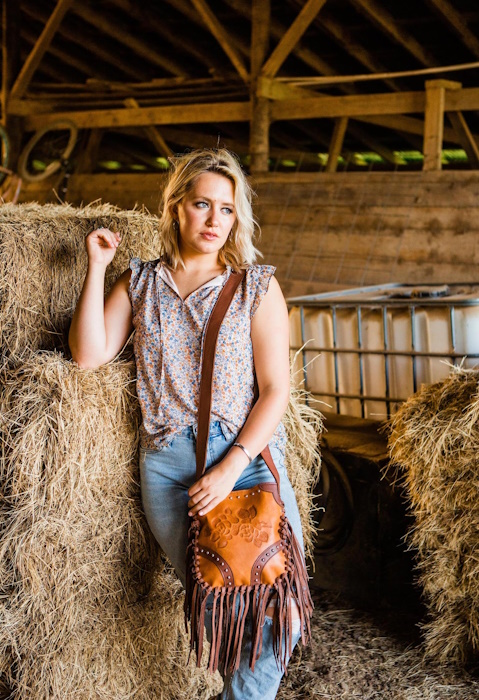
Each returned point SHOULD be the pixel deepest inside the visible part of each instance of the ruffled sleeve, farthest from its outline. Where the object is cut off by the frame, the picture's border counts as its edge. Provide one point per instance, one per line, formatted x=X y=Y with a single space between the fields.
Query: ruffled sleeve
x=258 y=282
x=134 y=289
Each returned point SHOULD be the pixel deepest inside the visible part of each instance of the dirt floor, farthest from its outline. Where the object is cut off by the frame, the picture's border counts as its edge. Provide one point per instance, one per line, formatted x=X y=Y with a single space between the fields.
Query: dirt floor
x=372 y=656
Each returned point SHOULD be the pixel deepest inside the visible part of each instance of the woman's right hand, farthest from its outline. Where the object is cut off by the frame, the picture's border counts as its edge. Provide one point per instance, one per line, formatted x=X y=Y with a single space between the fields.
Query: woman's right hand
x=101 y=245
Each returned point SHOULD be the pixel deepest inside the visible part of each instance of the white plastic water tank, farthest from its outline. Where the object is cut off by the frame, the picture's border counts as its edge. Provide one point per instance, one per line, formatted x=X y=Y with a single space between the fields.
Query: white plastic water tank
x=363 y=351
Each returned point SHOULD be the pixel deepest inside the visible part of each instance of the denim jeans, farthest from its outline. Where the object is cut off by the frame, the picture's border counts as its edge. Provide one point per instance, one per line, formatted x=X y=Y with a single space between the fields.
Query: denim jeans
x=166 y=476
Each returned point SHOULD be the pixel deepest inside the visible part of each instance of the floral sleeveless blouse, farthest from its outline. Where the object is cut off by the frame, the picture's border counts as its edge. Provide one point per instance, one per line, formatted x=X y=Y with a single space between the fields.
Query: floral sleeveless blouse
x=168 y=346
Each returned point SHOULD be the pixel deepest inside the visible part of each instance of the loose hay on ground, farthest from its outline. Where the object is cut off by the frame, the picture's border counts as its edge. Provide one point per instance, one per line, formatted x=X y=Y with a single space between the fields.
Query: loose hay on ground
x=43 y=263
x=434 y=444
x=360 y=655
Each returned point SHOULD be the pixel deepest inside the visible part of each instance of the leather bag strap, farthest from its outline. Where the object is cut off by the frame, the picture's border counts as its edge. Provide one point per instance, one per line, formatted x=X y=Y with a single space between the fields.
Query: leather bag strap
x=209 y=351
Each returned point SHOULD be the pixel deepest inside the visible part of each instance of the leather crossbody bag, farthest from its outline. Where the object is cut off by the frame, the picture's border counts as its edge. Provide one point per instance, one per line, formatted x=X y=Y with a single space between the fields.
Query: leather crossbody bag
x=242 y=556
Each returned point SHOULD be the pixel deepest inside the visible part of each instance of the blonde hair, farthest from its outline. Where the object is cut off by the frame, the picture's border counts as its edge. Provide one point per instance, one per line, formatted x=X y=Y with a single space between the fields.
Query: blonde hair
x=239 y=250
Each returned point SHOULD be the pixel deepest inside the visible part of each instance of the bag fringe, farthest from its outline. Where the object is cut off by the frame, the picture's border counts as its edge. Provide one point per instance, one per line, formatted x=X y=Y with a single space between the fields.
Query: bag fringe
x=231 y=608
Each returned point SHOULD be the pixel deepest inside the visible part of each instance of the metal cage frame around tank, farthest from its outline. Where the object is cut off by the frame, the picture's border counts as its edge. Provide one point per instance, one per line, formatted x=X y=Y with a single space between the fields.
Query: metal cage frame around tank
x=334 y=301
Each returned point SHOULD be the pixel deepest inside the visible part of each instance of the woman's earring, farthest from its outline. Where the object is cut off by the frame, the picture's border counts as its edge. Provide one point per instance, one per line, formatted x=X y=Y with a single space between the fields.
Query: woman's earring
x=176 y=225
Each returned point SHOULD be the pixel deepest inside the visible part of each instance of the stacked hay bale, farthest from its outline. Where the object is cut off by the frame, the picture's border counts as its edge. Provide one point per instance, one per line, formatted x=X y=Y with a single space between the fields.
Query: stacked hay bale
x=43 y=264
x=434 y=441
x=88 y=609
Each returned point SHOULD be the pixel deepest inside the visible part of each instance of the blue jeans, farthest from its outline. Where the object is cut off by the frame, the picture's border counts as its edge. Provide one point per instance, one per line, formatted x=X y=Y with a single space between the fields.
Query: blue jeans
x=166 y=476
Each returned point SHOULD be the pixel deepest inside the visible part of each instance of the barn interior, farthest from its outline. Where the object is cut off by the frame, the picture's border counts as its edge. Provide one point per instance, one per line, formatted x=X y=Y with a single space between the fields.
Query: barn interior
x=357 y=122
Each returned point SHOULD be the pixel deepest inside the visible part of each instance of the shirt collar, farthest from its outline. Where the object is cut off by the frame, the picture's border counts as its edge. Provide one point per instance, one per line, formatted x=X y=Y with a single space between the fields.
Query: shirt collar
x=167 y=277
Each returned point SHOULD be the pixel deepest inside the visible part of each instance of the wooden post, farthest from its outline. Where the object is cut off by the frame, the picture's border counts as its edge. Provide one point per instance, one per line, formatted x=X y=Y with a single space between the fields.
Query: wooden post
x=10 y=68
x=89 y=152
x=336 y=146
x=434 y=121
x=261 y=110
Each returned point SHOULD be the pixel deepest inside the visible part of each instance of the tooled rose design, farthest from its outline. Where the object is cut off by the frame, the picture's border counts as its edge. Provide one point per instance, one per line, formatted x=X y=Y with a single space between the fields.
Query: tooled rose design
x=228 y=525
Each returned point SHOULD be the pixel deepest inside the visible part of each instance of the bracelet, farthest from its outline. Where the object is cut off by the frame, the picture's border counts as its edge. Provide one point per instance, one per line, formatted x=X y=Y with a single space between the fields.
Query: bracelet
x=242 y=447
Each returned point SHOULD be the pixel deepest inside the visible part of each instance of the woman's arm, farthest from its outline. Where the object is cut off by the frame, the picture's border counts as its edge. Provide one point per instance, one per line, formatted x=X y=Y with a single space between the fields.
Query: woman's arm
x=99 y=327
x=270 y=337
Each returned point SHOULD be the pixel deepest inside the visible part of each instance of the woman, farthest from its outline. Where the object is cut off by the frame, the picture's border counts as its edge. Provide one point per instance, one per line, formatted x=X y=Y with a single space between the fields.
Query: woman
x=207 y=231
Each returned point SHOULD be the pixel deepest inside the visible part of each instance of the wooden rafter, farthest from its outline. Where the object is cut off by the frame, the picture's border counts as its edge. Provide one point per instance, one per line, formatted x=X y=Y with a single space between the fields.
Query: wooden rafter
x=10 y=50
x=405 y=125
x=152 y=132
x=156 y=23
x=375 y=11
x=187 y=10
x=372 y=143
x=336 y=145
x=94 y=48
x=346 y=40
x=88 y=155
x=66 y=58
x=277 y=30
x=465 y=137
x=39 y=49
x=292 y=36
x=459 y=25
x=138 y=45
x=145 y=116
x=349 y=106
x=221 y=36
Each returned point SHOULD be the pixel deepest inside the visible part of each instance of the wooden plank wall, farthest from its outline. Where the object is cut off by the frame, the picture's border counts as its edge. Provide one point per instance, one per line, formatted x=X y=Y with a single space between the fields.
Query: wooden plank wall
x=331 y=231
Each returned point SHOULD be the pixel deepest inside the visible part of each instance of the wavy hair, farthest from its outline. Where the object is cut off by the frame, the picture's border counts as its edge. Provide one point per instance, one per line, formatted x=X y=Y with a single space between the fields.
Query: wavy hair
x=239 y=250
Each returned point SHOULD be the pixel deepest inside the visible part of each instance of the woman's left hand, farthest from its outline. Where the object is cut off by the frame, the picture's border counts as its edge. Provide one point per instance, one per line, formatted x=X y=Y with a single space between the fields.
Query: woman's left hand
x=213 y=487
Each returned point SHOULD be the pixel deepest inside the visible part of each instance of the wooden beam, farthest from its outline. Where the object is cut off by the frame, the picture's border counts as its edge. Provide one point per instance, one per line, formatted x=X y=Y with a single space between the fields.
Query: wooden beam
x=406 y=125
x=38 y=51
x=186 y=9
x=456 y=21
x=277 y=30
x=66 y=57
x=11 y=61
x=372 y=143
x=434 y=121
x=221 y=36
x=465 y=137
x=349 y=106
x=275 y=90
x=136 y=44
x=152 y=132
x=377 y=14
x=292 y=36
x=260 y=113
x=259 y=135
x=155 y=22
x=145 y=116
x=10 y=51
x=347 y=42
x=95 y=49
x=88 y=153
x=260 y=34
x=336 y=146
x=464 y=100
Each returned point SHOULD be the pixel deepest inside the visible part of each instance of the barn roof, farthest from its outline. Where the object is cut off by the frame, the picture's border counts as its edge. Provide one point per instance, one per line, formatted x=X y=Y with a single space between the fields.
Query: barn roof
x=193 y=57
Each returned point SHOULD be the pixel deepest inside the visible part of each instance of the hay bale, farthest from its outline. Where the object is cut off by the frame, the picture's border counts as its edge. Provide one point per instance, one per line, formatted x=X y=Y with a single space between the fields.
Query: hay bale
x=304 y=425
x=86 y=612
x=43 y=264
x=434 y=442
